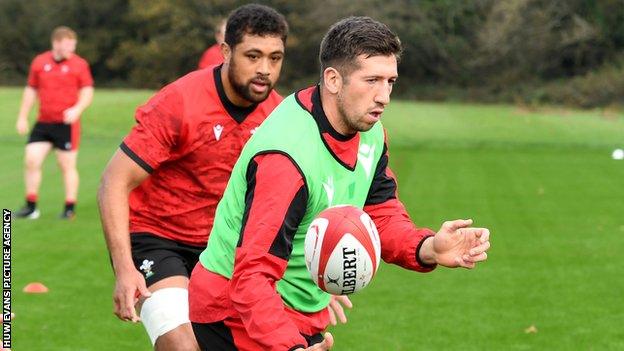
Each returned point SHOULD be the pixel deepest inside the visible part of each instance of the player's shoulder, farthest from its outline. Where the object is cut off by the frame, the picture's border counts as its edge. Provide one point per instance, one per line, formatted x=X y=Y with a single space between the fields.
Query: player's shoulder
x=79 y=60
x=200 y=78
x=215 y=48
x=42 y=58
x=171 y=98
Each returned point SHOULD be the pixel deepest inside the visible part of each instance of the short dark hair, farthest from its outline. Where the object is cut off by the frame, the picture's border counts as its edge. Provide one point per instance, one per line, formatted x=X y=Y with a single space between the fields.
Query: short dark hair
x=254 y=19
x=354 y=36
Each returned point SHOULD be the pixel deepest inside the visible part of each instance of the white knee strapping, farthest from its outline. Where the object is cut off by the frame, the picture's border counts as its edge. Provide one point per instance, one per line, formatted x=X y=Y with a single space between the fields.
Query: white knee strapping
x=164 y=311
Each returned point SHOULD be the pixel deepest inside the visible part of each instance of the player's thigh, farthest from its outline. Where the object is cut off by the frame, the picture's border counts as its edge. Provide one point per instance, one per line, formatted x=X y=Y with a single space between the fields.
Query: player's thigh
x=165 y=316
x=180 y=338
x=159 y=259
x=66 y=159
x=36 y=152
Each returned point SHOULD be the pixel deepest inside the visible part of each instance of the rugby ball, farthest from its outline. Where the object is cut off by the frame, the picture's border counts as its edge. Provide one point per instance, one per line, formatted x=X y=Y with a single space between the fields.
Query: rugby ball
x=342 y=250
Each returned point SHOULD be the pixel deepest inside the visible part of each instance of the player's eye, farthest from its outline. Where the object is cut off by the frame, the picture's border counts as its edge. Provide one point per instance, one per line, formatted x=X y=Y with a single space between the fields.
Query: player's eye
x=276 y=58
x=253 y=57
x=371 y=80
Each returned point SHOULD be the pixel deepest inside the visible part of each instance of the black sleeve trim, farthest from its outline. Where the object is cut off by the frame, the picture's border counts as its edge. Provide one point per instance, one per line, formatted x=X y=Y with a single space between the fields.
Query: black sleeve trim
x=297 y=347
x=139 y=161
x=282 y=244
x=383 y=187
x=421 y=263
x=249 y=196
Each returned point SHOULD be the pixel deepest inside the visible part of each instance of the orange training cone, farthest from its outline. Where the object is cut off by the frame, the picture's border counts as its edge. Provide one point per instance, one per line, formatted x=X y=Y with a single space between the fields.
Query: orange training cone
x=35 y=288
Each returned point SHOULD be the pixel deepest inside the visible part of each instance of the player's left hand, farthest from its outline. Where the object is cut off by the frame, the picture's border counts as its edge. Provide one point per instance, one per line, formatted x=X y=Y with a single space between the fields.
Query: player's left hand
x=459 y=245
x=336 y=308
x=71 y=115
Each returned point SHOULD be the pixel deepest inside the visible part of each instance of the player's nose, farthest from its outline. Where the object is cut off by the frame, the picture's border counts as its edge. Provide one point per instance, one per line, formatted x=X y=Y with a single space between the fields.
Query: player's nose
x=263 y=67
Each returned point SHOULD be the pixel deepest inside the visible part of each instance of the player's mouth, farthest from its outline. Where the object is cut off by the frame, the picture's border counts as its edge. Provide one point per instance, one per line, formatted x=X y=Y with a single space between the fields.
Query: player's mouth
x=260 y=86
x=375 y=115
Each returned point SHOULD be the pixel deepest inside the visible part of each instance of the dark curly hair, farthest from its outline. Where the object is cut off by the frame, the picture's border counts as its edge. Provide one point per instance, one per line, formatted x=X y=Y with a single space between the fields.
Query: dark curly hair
x=254 y=19
x=354 y=36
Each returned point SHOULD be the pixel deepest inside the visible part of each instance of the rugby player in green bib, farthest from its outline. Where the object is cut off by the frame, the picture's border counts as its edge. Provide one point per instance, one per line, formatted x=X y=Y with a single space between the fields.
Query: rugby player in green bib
x=322 y=146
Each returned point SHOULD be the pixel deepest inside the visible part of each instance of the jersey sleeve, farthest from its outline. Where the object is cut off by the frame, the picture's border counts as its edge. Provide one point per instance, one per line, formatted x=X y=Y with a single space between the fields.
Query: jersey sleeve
x=275 y=203
x=33 y=74
x=85 y=79
x=400 y=238
x=157 y=134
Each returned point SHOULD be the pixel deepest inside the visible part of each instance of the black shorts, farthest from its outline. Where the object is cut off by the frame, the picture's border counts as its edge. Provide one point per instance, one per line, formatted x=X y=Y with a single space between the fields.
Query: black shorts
x=62 y=136
x=218 y=336
x=159 y=258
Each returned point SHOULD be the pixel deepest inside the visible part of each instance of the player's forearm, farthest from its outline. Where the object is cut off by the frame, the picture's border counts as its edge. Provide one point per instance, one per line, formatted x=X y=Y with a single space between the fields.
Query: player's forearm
x=85 y=98
x=113 y=205
x=401 y=240
x=28 y=100
x=120 y=177
x=261 y=309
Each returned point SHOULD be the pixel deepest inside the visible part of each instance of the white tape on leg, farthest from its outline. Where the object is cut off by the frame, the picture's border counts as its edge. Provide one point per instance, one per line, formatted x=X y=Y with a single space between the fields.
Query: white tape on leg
x=164 y=311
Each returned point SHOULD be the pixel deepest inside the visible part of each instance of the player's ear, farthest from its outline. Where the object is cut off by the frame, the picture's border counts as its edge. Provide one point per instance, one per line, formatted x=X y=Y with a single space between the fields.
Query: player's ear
x=226 y=52
x=332 y=80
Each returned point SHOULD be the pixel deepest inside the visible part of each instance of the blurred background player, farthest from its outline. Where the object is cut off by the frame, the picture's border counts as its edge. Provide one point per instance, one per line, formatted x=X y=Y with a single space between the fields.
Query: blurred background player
x=62 y=81
x=163 y=184
x=213 y=55
x=322 y=146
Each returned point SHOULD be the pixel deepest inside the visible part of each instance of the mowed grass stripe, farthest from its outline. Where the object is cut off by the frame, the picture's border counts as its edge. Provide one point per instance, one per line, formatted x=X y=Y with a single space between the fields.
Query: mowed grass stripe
x=542 y=181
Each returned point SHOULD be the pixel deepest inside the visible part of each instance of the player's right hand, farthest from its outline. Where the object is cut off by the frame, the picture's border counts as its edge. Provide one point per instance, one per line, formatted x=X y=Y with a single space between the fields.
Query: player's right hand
x=327 y=344
x=22 y=126
x=129 y=288
x=336 y=309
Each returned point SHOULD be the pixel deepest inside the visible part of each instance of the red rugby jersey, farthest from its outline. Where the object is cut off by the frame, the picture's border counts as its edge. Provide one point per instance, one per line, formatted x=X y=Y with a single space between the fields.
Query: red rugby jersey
x=58 y=84
x=212 y=56
x=188 y=136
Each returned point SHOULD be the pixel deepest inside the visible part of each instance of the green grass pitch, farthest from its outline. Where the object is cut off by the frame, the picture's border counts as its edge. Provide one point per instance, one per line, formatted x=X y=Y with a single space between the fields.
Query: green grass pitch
x=542 y=181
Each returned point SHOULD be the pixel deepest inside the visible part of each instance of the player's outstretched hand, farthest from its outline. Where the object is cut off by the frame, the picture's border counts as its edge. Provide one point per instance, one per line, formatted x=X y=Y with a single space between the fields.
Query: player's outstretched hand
x=71 y=115
x=336 y=309
x=129 y=287
x=459 y=245
x=327 y=344
x=22 y=126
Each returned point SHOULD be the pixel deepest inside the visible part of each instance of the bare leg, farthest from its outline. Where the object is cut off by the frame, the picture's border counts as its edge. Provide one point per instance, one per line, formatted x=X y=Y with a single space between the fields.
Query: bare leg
x=181 y=338
x=67 y=163
x=34 y=156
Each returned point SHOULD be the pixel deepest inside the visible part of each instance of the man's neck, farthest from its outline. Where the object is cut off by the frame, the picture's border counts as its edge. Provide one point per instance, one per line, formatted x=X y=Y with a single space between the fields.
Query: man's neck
x=231 y=94
x=58 y=57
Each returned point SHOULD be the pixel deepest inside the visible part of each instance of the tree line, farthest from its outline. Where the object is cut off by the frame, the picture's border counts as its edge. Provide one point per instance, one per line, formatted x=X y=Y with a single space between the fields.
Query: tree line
x=530 y=51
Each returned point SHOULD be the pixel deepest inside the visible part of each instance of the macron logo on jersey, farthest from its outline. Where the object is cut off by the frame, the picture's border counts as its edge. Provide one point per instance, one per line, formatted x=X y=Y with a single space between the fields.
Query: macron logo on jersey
x=218 y=129
x=365 y=156
x=328 y=186
x=253 y=131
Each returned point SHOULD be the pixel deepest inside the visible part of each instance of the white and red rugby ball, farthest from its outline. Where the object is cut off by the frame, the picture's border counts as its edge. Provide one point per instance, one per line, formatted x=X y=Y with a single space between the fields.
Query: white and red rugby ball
x=342 y=250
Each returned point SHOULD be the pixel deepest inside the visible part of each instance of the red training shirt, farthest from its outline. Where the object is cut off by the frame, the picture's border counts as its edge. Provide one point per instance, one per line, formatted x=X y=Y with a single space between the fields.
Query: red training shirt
x=188 y=137
x=212 y=56
x=58 y=84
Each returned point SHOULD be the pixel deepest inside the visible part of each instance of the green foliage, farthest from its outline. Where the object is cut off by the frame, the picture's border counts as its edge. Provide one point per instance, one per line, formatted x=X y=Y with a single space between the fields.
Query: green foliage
x=481 y=49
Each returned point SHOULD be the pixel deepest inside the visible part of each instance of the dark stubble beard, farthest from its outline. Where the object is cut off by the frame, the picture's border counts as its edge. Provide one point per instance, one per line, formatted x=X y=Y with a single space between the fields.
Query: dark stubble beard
x=244 y=89
x=348 y=122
